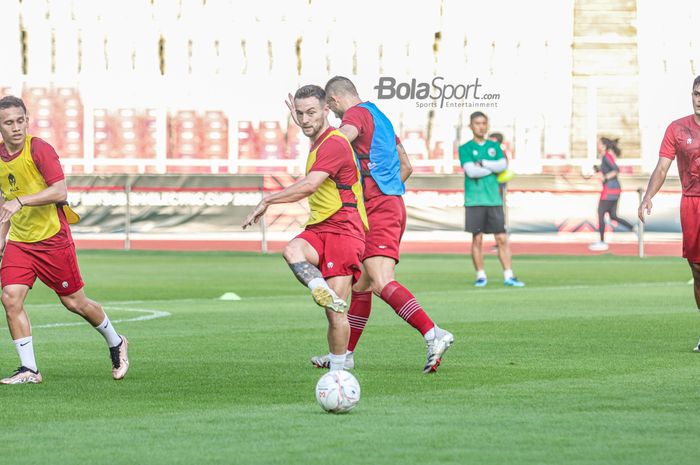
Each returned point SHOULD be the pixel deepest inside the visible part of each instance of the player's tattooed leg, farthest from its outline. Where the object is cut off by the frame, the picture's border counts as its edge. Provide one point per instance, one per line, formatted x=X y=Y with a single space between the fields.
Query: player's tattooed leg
x=305 y=272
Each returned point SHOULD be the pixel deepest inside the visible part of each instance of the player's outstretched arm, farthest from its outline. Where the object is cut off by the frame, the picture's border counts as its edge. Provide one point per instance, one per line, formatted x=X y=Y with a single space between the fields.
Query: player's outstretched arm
x=658 y=176
x=297 y=191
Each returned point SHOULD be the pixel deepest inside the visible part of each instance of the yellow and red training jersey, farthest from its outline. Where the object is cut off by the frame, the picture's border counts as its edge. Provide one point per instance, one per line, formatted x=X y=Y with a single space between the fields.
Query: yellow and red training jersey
x=337 y=206
x=26 y=172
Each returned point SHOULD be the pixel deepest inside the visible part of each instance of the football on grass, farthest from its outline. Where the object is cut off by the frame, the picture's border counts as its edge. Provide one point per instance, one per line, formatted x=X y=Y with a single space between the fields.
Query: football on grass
x=337 y=391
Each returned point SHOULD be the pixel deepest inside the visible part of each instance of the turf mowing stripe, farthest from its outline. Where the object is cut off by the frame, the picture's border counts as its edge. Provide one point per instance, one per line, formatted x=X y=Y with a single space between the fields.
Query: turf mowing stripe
x=469 y=289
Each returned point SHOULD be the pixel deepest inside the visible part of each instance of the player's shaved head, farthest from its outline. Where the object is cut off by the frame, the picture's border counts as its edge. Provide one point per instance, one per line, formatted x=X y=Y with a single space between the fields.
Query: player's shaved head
x=341 y=95
x=339 y=85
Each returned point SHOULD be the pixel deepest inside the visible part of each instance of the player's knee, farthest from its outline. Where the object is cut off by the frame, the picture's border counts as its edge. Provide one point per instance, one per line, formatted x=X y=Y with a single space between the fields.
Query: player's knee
x=288 y=254
x=12 y=301
x=695 y=269
x=75 y=305
x=361 y=286
x=501 y=239
x=292 y=253
x=477 y=239
x=378 y=286
x=337 y=321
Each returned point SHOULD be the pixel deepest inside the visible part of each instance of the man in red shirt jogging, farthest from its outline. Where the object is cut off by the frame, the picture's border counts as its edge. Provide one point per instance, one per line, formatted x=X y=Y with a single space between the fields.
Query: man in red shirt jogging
x=40 y=244
x=682 y=142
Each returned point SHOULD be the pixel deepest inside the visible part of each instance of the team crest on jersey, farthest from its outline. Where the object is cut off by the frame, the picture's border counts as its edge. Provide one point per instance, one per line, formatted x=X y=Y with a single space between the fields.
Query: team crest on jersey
x=689 y=140
x=13 y=182
x=492 y=152
x=330 y=265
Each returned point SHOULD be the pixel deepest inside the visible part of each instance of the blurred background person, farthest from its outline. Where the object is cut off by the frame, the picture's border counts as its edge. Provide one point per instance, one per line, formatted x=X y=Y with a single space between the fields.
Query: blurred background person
x=610 y=195
x=482 y=161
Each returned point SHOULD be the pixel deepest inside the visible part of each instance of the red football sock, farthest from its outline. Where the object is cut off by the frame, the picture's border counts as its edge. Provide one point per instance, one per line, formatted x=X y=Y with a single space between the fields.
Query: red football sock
x=406 y=306
x=360 y=308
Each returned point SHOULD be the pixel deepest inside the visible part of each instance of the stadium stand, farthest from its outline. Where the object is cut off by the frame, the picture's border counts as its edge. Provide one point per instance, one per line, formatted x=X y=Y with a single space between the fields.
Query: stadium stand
x=67 y=52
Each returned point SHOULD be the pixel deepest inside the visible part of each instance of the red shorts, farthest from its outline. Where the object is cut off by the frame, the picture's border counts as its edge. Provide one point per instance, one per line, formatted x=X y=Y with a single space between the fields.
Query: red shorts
x=338 y=254
x=387 y=222
x=57 y=268
x=690 y=224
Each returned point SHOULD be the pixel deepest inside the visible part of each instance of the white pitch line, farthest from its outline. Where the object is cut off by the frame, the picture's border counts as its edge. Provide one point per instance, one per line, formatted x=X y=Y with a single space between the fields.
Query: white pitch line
x=151 y=315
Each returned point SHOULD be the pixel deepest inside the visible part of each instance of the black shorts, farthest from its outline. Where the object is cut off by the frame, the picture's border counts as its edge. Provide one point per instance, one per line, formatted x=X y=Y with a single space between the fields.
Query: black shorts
x=489 y=220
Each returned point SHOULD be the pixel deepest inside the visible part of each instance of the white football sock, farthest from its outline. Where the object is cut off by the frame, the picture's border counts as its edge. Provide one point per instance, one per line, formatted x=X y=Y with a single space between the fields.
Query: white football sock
x=507 y=274
x=25 y=349
x=320 y=282
x=107 y=331
x=480 y=274
x=337 y=362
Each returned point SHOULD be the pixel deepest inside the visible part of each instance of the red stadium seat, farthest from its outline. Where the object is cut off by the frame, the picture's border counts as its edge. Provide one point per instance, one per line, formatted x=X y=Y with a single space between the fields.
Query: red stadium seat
x=215 y=135
x=293 y=140
x=271 y=141
x=56 y=115
x=247 y=140
x=124 y=133
x=195 y=135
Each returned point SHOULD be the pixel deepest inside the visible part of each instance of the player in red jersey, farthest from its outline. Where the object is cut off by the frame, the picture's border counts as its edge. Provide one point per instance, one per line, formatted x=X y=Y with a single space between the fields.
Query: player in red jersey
x=384 y=166
x=325 y=257
x=682 y=142
x=40 y=244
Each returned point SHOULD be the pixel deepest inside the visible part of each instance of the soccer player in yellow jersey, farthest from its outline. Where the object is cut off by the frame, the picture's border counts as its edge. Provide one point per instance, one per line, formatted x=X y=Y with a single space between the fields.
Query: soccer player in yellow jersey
x=40 y=244
x=325 y=257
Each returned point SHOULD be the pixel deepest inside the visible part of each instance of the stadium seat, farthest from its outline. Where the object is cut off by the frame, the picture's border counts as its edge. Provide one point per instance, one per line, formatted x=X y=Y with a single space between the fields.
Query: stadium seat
x=56 y=115
x=247 y=140
x=293 y=139
x=215 y=135
x=197 y=136
x=124 y=133
x=271 y=140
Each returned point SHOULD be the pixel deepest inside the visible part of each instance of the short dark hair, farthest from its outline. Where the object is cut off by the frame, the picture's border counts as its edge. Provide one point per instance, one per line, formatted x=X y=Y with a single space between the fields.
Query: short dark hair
x=477 y=114
x=10 y=101
x=311 y=90
x=696 y=82
x=496 y=135
x=341 y=85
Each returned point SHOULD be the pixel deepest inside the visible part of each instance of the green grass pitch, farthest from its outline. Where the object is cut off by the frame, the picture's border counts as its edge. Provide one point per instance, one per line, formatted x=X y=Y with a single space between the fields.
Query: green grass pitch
x=591 y=363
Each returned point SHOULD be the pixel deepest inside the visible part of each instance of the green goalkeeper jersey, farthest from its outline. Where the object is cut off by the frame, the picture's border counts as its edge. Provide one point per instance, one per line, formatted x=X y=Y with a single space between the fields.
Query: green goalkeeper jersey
x=481 y=192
